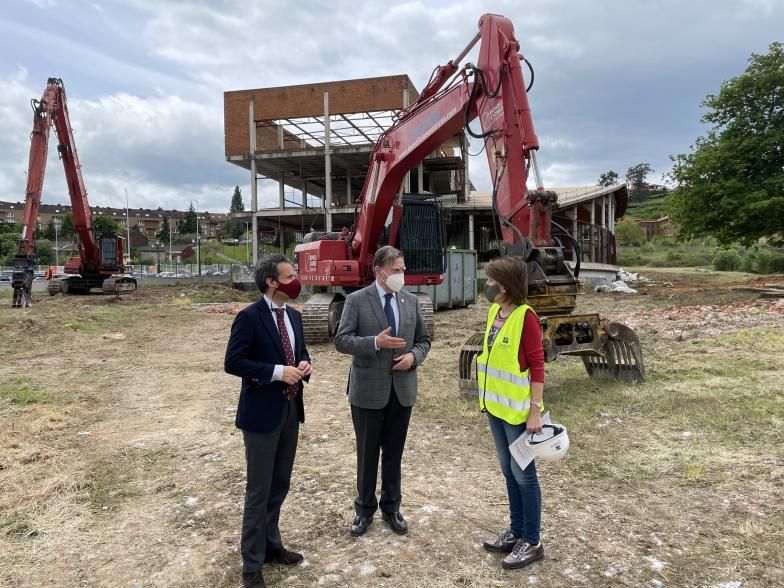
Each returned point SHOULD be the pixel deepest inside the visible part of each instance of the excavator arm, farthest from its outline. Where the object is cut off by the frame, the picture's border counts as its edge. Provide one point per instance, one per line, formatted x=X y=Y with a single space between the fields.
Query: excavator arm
x=92 y=270
x=493 y=91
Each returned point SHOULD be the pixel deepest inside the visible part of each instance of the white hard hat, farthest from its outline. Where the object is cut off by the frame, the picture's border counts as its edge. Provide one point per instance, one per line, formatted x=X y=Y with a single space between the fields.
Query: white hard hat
x=551 y=444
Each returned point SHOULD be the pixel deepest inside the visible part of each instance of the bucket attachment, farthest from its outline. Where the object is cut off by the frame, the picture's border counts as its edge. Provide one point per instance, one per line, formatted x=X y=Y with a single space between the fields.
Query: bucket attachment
x=608 y=350
x=619 y=359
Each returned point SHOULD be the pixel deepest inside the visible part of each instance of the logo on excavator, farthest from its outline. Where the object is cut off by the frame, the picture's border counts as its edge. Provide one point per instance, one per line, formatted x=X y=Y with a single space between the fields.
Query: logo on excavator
x=489 y=117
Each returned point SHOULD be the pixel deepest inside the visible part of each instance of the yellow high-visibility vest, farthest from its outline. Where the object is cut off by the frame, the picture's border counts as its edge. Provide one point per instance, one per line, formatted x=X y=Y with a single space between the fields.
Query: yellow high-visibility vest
x=504 y=391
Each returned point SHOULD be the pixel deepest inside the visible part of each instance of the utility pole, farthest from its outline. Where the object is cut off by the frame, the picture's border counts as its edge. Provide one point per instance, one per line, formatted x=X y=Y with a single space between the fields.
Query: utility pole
x=127 y=224
x=56 y=252
x=170 y=243
x=198 y=241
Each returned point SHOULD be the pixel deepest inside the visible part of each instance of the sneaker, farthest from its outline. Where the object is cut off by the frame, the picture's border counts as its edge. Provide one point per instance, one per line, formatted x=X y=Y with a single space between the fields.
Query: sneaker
x=504 y=543
x=522 y=554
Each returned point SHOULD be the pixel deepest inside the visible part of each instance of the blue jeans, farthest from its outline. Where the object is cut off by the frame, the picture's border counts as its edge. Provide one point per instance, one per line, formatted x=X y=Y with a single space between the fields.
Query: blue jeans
x=522 y=486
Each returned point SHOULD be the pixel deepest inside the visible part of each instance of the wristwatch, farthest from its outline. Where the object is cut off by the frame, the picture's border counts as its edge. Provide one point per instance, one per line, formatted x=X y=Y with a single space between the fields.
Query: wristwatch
x=538 y=405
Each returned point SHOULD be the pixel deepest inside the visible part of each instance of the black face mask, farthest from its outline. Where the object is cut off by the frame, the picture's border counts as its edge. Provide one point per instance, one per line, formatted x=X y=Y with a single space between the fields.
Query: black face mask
x=491 y=291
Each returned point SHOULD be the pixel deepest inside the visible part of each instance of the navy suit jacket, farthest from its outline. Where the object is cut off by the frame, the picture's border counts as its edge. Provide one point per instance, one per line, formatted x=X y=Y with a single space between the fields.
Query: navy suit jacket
x=253 y=351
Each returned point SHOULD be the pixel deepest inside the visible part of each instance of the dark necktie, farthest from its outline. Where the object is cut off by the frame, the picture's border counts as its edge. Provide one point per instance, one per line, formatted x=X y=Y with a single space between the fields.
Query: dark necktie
x=287 y=350
x=390 y=314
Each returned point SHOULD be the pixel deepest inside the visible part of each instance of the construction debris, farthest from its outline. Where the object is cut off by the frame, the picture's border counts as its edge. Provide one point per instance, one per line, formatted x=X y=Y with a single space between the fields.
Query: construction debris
x=616 y=286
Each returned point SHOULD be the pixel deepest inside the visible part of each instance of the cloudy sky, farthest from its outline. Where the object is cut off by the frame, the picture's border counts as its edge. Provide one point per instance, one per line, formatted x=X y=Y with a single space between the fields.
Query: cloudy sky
x=618 y=82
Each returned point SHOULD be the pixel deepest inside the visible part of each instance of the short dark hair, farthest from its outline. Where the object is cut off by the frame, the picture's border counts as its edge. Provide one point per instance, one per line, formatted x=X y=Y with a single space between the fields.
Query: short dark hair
x=267 y=267
x=385 y=255
x=512 y=274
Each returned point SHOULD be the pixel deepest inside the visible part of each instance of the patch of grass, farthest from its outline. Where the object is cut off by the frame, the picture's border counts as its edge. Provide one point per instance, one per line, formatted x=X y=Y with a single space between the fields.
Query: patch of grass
x=107 y=488
x=16 y=525
x=82 y=326
x=19 y=390
x=653 y=207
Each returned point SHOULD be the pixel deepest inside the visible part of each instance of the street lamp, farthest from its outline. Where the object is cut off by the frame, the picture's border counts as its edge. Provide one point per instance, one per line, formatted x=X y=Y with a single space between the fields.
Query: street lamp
x=198 y=240
x=158 y=255
x=56 y=252
x=127 y=224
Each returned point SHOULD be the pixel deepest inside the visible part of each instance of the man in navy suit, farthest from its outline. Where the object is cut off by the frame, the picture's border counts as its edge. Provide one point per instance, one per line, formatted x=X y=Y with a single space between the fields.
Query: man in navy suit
x=267 y=350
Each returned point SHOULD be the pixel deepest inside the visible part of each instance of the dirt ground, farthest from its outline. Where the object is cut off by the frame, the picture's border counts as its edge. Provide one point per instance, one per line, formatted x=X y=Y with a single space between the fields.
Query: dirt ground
x=120 y=464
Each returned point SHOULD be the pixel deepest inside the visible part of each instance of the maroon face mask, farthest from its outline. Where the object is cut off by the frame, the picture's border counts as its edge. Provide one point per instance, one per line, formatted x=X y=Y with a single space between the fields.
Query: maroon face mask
x=292 y=289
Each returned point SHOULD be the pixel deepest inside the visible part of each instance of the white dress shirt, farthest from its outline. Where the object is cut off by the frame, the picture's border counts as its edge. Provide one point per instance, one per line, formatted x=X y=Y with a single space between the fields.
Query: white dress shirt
x=395 y=309
x=277 y=374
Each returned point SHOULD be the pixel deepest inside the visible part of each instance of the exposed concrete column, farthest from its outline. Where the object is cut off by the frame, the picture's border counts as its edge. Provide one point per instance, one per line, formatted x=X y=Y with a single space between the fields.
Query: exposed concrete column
x=574 y=224
x=282 y=191
x=254 y=204
x=407 y=179
x=304 y=193
x=471 y=231
x=604 y=212
x=612 y=213
x=421 y=178
x=327 y=167
x=348 y=186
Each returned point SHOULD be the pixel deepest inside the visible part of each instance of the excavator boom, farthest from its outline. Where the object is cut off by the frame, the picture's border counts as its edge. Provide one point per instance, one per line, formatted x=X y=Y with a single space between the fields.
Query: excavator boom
x=100 y=257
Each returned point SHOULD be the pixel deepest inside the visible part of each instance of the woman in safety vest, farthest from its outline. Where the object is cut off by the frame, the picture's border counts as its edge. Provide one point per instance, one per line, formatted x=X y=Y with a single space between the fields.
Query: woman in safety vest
x=510 y=375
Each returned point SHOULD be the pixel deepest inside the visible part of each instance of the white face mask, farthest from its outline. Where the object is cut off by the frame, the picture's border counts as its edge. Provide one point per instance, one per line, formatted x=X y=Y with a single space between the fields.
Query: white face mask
x=395 y=281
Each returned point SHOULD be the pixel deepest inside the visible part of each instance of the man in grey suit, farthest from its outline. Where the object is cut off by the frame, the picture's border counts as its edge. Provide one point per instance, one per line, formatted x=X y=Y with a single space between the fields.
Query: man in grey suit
x=383 y=329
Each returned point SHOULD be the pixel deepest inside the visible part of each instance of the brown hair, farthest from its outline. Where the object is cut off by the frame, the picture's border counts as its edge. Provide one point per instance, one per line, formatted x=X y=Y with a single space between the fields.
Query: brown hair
x=511 y=274
x=386 y=255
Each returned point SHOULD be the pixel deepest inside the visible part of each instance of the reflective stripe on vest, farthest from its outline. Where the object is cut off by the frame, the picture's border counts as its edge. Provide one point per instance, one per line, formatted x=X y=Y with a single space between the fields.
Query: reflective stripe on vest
x=504 y=391
x=503 y=375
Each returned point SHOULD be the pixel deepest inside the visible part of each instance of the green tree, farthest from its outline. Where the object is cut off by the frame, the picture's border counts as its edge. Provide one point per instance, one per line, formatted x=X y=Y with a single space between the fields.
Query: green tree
x=105 y=224
x=628 y=232
x=187 y=223
x=49 y=232
x=67 y=230
x=731 y=185
x=635 y=180
x=608 y=178
x=9 y=242
x=237 y=205
x=234 y=227
x=163 y=234
x=44 y=254
x=6 y=228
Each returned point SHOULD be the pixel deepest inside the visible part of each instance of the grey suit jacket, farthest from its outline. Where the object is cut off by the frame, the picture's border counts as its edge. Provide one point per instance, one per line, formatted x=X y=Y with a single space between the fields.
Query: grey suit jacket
x=371 y=376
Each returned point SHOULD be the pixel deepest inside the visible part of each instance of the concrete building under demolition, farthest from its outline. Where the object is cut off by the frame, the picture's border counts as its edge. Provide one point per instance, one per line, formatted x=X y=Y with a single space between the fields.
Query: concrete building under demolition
x=315 y=140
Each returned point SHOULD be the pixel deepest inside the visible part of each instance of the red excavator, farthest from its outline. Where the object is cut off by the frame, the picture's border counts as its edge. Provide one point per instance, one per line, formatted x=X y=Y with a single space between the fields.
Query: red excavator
x=100 y=261
x=493 y=91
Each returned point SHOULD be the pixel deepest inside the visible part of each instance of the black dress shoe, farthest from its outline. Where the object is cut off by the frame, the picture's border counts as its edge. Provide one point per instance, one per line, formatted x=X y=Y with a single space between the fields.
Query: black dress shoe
x=360 y=525
x=254 y=580
x=284 y=557
x=396 y=522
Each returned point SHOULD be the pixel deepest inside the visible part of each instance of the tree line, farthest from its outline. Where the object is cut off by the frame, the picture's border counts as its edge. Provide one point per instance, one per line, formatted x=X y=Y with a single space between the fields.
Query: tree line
x=731 y=184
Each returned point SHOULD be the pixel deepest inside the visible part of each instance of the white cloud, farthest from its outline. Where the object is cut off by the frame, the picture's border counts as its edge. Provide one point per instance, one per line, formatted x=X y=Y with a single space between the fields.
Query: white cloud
x=616 y=84
x=164 y=149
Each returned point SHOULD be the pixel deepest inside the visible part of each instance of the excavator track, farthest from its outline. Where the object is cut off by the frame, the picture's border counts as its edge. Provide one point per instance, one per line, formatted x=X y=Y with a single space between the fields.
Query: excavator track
x=427 y=313
x=56 y=286
x=319 y=317
x=119 y=285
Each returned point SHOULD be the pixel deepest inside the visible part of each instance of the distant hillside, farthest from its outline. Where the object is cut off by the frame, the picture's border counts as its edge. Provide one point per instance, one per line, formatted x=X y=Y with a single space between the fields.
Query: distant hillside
x=653 y=207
